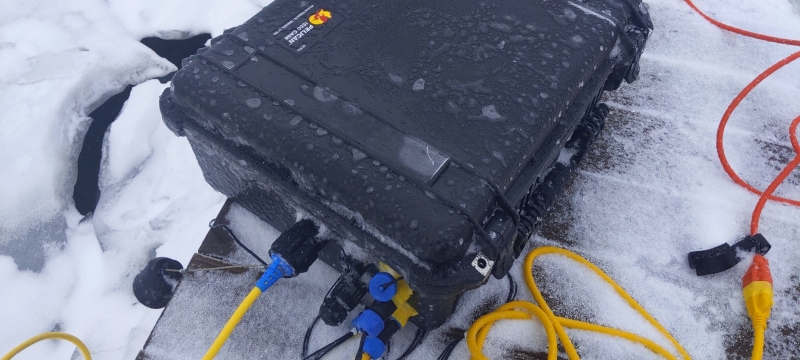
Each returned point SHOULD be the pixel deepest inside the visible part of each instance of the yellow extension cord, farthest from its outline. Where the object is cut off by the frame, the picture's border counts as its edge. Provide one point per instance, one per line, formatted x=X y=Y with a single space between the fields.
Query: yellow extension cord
x=49 y=335
x=476 y=336
x=554 y=325
x=231 y=324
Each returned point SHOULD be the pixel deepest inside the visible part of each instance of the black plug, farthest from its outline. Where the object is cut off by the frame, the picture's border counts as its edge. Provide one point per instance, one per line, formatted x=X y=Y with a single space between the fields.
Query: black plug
x=724 y=257
x=298 y=246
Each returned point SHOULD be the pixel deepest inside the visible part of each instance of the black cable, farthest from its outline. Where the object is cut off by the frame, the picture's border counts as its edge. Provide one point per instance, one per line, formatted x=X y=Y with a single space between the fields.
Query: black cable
x=317 y=355
x=512 y=289
x=449 y=349
x=307 y=337
x=310 y=330
x=512 y=294
x=360 y=352
x=418 y=338
x=214 y=225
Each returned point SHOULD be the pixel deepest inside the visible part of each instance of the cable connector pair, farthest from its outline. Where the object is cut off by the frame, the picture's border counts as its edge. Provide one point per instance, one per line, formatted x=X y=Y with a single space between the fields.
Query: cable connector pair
x=292 y=253
x=724 y=257
x=277 y=270
x=757 y=293
x=388 y=313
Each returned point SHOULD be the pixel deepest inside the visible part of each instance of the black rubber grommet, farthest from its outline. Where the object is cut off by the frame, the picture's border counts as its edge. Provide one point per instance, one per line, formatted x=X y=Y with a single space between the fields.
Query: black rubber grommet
x=154 y=286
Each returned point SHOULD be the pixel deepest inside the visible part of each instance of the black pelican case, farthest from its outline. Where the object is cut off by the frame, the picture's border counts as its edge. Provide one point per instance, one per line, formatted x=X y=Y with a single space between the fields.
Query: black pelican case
x=413 y=130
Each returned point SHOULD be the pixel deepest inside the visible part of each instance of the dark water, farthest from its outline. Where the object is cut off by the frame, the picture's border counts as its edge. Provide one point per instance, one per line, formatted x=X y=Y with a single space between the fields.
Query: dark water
x=175 y=50
x=86 y=192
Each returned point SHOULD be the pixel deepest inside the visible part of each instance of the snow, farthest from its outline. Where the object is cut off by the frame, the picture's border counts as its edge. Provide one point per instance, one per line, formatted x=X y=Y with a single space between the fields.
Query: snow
x=650 y=190
x=59 y=62
x=176 y=19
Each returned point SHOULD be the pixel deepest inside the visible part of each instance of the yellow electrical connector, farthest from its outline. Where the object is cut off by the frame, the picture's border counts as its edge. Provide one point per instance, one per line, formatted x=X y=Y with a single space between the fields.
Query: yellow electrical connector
x=757 y=292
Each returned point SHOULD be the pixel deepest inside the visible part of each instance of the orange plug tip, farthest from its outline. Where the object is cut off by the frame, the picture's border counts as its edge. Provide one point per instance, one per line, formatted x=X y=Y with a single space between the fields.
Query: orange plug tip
x=758 y=271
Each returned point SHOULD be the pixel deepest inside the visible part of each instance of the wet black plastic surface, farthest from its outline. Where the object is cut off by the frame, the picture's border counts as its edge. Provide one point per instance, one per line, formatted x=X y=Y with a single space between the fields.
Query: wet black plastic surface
x=400 y=125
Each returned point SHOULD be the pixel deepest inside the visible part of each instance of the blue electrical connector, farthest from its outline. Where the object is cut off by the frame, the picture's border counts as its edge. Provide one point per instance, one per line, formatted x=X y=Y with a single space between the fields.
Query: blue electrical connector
x=292 y=253
x=277 y=270
x=383 y=286
x=368 y=323
x=374 y=347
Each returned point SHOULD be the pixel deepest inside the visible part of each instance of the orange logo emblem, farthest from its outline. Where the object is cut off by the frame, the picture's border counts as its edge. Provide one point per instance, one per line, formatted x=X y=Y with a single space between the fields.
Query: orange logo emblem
x=322 y=16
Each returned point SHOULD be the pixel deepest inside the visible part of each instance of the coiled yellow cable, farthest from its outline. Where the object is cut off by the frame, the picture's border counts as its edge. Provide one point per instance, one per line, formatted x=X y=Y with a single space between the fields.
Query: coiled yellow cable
x=46 y=336
x=554 y=325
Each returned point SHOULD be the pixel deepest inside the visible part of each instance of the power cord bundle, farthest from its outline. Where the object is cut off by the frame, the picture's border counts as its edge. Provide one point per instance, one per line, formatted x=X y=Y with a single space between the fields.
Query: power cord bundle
x=756 y=284
x=757 y=288
x=419 y=337
x=388 y=314
x=292 y=253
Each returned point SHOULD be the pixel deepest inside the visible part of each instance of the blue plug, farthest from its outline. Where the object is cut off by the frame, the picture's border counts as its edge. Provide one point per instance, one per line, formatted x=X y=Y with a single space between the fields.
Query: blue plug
x=277 y=270
x=383 y=286
x=368 y=323
x=374 y=347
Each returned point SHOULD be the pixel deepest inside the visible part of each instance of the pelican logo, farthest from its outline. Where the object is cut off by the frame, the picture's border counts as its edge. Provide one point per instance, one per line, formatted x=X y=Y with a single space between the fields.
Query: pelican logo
x=320 y=17
x=306 y=28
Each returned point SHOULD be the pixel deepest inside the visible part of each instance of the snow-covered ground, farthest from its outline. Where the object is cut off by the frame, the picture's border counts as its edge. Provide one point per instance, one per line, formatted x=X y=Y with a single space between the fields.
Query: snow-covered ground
x=651 y=190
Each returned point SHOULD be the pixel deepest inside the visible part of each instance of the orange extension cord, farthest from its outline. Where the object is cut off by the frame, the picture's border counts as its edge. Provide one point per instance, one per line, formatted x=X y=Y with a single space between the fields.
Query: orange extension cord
x=742 y=31
x=757 y=288
x=767 y=194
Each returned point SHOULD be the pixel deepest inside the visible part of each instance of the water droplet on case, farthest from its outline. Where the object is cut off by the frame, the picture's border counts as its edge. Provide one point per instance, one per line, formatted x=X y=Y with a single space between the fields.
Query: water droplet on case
x=358 y=155
x=253 y=103
x=397 y=80
x=419 y=85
